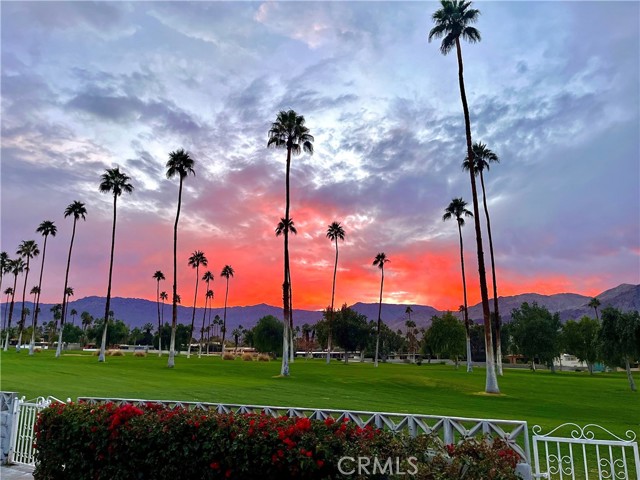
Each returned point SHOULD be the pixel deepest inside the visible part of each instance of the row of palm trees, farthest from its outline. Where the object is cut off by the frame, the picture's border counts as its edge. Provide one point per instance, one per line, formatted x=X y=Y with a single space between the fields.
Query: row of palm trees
x=196 y=259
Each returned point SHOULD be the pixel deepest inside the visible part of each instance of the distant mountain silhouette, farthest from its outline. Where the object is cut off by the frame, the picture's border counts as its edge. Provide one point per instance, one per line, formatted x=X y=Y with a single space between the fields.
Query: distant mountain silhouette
x=136 y=311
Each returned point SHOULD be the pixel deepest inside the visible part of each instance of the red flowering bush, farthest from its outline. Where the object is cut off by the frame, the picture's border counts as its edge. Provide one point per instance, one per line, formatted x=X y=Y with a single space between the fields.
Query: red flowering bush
x=109 y=442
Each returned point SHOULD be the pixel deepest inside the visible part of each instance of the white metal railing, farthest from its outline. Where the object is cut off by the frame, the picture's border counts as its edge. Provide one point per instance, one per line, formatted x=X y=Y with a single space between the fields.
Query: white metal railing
x=22 y=435
x=580 y=454
x=449 y=430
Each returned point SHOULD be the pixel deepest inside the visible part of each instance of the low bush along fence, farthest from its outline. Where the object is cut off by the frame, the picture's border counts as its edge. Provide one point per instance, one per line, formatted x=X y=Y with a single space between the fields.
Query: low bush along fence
x=101 y=442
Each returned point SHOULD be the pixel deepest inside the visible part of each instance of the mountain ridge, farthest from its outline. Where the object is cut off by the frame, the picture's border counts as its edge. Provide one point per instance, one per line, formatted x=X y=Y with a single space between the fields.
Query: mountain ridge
x=138 y=311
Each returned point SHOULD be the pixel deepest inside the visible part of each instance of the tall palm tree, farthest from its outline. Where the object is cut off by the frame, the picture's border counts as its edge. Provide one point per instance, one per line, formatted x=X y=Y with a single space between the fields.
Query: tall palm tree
x=210 y=298
x=207 y=277
x=335 y=232
x=115 y=182
x=196 y=259
x=46 y=228
x=158 y=276
x=482 y=158
x=78 y=211
x=280 y=229
x=288 y=131
x=227 y=272
x=410 y=324
x=68 y=293
x=180 y=164
x=163 y=297
x=16 y=267
x=453 y=22
x=457 y=209
x=594 y=303
x=379 y=262
x=8 y=292
x=28 y=249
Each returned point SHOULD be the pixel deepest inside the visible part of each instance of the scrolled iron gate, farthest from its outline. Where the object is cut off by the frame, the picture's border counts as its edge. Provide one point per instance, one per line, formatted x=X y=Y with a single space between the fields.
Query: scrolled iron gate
x=572 y=452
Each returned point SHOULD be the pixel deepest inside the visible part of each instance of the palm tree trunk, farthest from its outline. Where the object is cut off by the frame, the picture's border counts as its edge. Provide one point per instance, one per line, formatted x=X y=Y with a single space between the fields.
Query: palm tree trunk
x=159 y=322
x=174 y=309
x=64 y=294
x=204 y=316
x=498 y=320
x=596 y=310
x=224 y=316
x=193 y=314
x=467 y=327
x=13 y=296
x=491 y=385
x=333 y=292
x=627 y=367
x=375 y=363
x=103 y=345
x=284 y=369
x=22 y=315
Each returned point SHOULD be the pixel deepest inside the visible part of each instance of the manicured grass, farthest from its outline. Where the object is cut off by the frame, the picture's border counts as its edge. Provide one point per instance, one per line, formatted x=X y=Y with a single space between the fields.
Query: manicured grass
x=540 y=398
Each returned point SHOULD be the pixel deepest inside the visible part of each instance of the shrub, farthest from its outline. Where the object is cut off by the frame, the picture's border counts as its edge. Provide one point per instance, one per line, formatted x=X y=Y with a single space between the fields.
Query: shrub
x=115 y=353
x=228 y=356
x=247 y=357
x=83 y=441
x=264 y=358
x=139 y=353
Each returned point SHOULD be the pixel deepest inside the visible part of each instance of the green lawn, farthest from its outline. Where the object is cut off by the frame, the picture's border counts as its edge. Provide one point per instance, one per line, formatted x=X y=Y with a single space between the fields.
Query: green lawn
x=540 y=398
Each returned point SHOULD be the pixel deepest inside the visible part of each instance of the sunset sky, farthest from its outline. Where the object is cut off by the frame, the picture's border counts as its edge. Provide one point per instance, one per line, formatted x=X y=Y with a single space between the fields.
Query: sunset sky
x=552 y=88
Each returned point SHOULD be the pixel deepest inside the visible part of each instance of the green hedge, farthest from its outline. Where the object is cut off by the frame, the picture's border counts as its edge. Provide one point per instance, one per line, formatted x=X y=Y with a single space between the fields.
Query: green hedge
x=110 y=442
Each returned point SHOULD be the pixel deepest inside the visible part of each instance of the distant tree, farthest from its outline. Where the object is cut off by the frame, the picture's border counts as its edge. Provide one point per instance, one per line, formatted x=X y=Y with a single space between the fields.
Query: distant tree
x=115 y=182
x=457 y=209
x=335 y=232
x=483 y=157
x=73 y=314
x=163 y=297
x=78 y=211
x=351 y=330
x=536 y=333
x=390 y=342
x=288 y=131
x=618 y=339
x=28 y=249
x=268 y=335
x=594 y=303
x=236 y=333
x=158 y=276
x=447 y=336
x=196 y=259
x=16 y=267
x=379 y=262
x=71 y=333
x=581 y=339
x=227 y=272
x=45 y=228
x=180 y=164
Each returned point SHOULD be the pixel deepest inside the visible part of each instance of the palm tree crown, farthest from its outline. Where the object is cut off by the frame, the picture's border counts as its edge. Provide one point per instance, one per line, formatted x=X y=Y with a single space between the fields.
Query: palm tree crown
x=227 y=272
x=380 y=260
x=114 y=181
x=457 y=209
x=28 y=249
x=335 y=232
x=47 y=227
x=283 y=226
x=452 y=22
x=158 y=276
x=198 y=258
x=207 y=277
x=77 y=209
x=289 y=131
x=180 y=163
x=482 y=157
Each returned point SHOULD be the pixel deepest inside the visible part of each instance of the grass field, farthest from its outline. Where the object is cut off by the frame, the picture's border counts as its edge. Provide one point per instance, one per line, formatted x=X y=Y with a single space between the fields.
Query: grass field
x=540 y=398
